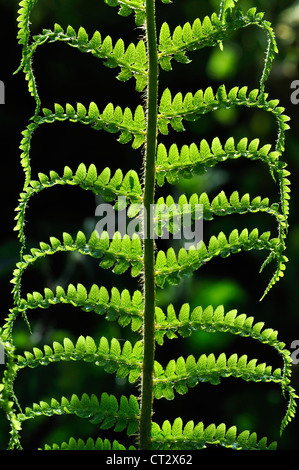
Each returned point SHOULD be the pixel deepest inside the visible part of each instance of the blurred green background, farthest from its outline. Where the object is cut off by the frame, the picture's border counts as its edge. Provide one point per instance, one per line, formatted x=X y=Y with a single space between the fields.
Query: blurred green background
x=64 y=75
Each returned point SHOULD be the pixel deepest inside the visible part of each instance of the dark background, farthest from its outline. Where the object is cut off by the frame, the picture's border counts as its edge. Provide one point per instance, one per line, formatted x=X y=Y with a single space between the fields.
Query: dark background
x=64 y=75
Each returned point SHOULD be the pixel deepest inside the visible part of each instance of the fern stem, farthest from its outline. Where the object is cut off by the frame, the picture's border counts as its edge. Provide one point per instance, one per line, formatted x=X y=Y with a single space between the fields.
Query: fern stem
x=149 y=192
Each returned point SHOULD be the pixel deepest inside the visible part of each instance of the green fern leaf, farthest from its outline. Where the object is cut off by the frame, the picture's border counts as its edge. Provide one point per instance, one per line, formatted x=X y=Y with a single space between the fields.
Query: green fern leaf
x=129 y=360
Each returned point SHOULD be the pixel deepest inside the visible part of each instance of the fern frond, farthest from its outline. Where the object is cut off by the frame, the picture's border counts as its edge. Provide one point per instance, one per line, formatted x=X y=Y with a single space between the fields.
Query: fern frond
x=89 y=444
x=23 y=21
x=281 y=261
x=141 y=127
x=108 y=413
x=24 y=12
x=126 y=7
x=190 y=160
x=108 y=186
x=183 y=374
x=208 y=33
x=191 y=108
x=216 y=320
x=167 y=211
x=132 y=60
x=213 y=320
x=291 y=408
x=119 y=306
x=176 y=436
x=171 y=268
x=284 y=189
x=119 y=253
x=125 y=360
x=112 y=120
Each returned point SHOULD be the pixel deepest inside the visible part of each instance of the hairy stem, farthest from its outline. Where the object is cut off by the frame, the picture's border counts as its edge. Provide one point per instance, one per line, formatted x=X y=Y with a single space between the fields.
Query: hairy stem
x=149 y=192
